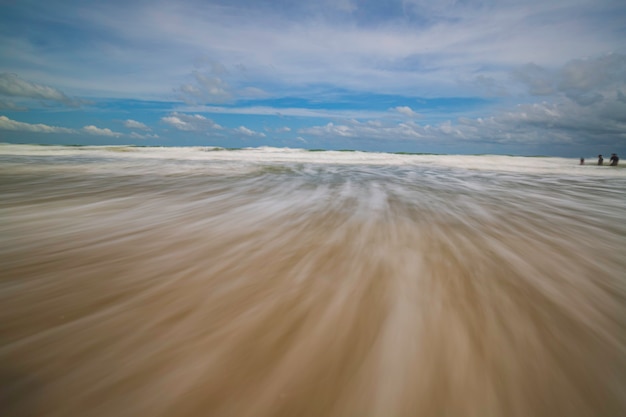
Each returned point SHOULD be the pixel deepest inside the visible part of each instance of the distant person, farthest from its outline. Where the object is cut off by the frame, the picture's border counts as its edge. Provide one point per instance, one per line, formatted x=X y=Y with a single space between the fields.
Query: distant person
x=600 y=160
x=582 y=161
x=614 y=160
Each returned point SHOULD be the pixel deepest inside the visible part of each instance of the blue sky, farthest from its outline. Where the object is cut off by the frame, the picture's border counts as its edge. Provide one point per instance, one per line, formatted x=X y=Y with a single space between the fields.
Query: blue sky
x=504 y=77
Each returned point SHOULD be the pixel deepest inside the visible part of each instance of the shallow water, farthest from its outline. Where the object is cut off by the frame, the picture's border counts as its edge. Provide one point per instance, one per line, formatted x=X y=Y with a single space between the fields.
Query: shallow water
x=277 y=282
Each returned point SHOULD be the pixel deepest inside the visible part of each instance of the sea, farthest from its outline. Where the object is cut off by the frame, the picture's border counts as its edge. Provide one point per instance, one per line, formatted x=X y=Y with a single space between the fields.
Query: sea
x=263 y=282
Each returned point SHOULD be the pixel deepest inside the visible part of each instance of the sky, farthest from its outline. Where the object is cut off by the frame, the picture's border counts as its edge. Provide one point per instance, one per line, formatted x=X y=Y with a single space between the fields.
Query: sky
x=523 y=77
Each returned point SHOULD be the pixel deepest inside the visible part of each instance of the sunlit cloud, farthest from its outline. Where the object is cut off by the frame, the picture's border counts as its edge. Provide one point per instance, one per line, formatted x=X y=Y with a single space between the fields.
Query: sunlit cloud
x=330 y=129
x=409 y=70
x=190 y=122
x=133 y=124
x=248 y=132
x=135 y=135
x=407 y=111
x=8 y=124
x=94 y=130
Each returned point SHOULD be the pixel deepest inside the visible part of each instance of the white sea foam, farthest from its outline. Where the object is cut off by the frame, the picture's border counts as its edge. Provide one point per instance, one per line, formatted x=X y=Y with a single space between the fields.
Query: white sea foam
x=282 y=282
x=239 y=158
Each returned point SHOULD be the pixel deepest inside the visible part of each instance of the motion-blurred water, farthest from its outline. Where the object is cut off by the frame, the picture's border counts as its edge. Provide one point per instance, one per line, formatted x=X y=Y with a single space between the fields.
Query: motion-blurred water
x=278 y=282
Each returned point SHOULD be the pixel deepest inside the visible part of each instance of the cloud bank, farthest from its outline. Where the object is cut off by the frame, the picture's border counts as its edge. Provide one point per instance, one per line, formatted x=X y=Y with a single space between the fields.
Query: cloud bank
x=410 y=72
x=9 y=124
x=12 y=86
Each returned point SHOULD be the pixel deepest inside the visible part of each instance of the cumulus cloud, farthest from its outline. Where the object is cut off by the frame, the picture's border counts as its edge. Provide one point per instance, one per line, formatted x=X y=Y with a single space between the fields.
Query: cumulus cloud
x=135 y=135
x=585 y=81
x=565 y=122
x=411 y=48
x=248 y=132
x=191 y=122
x=409 y=131
x=368 y=130
x=133 y=124
x=544 y=124
x=284 y=129
x=94 y=130
x=9 y=124
x=11 y=85
x=407 y=111
x=330 y=129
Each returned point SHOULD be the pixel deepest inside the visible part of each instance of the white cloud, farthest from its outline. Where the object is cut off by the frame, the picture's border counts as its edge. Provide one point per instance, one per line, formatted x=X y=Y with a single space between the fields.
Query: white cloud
x=419 y=49
x=330 y=129
x=448 y=129
x=12 y=85
x=133 y=124
x=8 y=124
x=135 y=135
x=368 y=130
x=191 y=122
x=585 y=81
x=176 y=122
x=247 y=132
x=93 y=130
x=537 y=124
x=283 y=129
x=288 y=111
x=423 y=48
x=407 y=111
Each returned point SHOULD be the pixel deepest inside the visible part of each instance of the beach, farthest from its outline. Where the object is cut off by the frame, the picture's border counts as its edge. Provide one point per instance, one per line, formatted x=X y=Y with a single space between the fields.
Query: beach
x=259 y=282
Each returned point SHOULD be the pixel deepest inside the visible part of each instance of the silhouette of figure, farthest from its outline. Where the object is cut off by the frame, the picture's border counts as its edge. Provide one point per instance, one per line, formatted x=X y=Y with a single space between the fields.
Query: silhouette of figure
x=582 y=161
x=600 y=160
x=614 y=160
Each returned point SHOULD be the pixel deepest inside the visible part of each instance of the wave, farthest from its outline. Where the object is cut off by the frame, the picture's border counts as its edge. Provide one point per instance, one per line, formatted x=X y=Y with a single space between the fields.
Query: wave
x=283 y=282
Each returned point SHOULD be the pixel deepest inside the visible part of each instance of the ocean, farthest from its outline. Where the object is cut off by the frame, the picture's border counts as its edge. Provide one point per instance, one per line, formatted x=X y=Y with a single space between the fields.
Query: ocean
x=201 y=281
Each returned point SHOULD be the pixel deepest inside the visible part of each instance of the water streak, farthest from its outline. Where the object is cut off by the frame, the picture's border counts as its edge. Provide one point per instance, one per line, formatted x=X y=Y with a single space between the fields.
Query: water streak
x=268 y=282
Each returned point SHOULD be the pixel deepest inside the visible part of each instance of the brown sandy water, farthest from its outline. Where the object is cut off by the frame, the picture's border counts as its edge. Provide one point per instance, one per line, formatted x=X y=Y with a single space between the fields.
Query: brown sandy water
x=306 y=289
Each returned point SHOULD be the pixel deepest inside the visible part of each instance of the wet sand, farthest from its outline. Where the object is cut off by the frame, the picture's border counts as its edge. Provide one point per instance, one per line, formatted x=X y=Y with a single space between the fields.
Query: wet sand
x=356 y=291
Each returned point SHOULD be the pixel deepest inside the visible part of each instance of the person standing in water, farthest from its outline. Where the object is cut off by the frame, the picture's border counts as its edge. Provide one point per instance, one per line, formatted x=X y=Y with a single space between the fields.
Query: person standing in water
x=600 y=160
x=614 y=160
